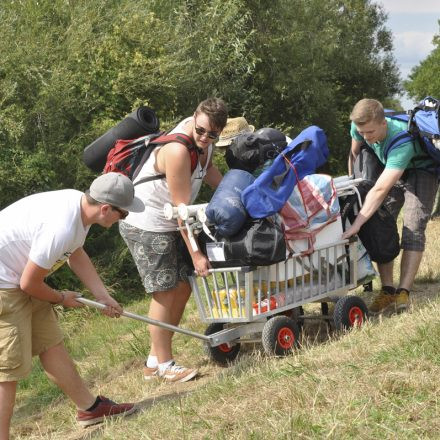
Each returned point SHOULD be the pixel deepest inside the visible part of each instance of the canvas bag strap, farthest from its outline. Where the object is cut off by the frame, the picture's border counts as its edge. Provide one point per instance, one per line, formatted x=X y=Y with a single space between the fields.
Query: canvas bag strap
x=317 y=195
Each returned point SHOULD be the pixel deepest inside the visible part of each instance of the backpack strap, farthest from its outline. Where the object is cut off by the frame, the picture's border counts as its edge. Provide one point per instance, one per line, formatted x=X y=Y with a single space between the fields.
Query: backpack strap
x=183 y=139
x=397 y=140
x=166 y=138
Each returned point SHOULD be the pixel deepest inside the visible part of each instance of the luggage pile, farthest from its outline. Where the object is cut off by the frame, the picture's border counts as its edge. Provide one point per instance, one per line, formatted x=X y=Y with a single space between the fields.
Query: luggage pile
x=271 y=203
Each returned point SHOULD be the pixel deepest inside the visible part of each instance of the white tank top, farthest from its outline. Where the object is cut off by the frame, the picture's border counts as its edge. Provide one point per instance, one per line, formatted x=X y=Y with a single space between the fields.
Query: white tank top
x=155 y=193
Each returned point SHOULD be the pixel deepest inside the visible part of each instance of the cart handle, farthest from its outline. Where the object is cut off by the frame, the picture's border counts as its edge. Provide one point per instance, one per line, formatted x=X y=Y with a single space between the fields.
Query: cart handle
x=170 y=327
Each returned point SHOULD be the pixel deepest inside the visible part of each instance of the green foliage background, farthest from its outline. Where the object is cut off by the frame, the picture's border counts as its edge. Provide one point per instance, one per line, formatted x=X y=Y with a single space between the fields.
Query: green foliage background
x=72 y=69
x=424 y=79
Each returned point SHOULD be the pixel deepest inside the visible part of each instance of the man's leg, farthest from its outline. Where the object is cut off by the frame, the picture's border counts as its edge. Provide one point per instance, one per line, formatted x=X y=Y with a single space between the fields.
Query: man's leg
x=420 y=190
x=91 y=410
x=61 y=370
x=7 y=401
x=409 y=267
x=386 y=273
x=167 y=307
x=385 y=299
x=180 y=302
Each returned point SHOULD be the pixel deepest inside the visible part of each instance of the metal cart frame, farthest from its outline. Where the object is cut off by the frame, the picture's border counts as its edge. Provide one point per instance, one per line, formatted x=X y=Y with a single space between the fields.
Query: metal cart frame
x=242 y=304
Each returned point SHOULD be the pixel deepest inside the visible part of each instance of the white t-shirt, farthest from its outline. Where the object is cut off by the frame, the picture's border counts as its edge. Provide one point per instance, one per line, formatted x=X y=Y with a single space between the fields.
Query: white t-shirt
x=156 y=193
x=45 y=228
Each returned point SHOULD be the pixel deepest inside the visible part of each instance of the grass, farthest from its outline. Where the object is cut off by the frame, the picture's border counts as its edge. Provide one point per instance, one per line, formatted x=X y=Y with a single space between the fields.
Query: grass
x=379 y=381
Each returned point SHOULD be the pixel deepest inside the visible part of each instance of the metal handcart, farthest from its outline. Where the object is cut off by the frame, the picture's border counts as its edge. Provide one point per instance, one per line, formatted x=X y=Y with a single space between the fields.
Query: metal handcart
x=264 y=304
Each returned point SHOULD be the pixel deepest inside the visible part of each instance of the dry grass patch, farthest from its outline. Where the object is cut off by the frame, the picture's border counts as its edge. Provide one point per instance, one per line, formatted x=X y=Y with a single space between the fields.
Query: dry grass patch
x=379 y=381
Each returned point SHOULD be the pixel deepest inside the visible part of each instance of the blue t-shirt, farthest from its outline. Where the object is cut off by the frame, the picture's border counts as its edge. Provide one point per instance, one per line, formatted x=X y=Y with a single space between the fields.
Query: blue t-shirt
x=407 y=155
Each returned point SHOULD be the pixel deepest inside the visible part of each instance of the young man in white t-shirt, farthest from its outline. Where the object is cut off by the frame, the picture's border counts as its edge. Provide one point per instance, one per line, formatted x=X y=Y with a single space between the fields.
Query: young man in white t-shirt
x=37 y=235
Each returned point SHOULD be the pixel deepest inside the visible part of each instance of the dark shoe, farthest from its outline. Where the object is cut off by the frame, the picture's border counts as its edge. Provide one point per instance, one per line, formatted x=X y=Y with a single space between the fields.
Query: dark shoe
x=105 y=408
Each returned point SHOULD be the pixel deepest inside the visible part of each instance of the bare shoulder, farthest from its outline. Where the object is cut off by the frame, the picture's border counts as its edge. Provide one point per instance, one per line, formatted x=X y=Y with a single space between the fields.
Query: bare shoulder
x=174 y=151
x=173 y=157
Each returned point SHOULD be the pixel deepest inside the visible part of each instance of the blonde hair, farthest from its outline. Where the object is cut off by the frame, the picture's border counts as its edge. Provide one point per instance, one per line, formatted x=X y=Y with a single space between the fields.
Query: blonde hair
x=367 y=110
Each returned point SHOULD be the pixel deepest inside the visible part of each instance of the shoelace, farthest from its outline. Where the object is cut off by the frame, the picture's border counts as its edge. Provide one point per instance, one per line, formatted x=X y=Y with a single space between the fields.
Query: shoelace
x=176 y=368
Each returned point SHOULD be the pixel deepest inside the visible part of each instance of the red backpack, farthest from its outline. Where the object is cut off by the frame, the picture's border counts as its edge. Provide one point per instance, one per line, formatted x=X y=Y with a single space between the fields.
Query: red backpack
x=128 y=156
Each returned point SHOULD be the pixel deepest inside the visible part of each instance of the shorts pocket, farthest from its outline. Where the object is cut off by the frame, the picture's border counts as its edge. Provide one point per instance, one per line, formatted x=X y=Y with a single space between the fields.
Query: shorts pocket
x=10 y=347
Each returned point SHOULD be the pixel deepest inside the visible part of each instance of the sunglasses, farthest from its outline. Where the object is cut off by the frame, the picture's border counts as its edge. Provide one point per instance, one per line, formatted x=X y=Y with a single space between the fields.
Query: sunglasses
x=123 y=214
x=201 y=131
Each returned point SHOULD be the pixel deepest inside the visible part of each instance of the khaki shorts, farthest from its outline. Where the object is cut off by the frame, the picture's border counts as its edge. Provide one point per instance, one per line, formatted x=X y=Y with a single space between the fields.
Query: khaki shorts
x=416 y=194
x=28 y=327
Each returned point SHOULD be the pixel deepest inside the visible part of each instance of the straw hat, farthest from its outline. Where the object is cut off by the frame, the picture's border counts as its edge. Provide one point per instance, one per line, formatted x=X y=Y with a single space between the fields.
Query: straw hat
x=234 y=127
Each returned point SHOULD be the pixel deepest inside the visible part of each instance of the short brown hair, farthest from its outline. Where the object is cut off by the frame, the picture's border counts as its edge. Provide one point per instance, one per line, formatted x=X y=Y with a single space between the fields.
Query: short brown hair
x=367 y=110
x=216 y=110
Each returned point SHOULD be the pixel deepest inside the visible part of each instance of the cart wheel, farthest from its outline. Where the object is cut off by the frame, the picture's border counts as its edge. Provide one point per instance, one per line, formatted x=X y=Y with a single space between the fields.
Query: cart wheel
x=350 y=311
x=223 y=354
x=280 y=336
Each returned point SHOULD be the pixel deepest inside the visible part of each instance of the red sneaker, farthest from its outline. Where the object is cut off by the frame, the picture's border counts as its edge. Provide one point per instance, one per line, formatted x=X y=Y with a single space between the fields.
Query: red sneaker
x=105 y=408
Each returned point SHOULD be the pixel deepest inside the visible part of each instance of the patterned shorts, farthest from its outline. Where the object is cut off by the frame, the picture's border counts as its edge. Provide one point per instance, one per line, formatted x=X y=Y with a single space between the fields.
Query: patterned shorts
x=160 y=257
x=416 y=194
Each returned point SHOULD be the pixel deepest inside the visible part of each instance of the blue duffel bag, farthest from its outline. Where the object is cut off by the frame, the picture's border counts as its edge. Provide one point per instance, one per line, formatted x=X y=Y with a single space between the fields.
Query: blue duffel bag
x=271 y=190
x=225 y=210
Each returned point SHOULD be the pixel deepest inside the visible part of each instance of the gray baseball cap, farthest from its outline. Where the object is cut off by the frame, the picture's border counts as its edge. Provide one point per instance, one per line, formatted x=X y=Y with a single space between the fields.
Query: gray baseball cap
x=117 y=190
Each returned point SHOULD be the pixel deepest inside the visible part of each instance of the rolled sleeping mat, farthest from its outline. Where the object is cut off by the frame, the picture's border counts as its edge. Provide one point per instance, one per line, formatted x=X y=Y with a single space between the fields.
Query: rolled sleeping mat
x=139 y=123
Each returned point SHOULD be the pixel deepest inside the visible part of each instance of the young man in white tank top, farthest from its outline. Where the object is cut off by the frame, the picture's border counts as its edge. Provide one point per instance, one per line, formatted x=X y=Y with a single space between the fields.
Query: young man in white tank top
x=156 y=244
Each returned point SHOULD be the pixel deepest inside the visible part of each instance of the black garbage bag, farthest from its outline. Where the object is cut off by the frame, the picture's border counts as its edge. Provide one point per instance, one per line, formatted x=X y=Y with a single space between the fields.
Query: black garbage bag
x=249 y=151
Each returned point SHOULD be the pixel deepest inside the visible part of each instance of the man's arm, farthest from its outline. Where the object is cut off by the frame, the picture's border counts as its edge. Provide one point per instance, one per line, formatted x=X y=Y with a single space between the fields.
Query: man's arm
x=84 y=269
x=32 y=282
x=374 y=199
x=175 y=162
x=213 y=176
x=354 y=153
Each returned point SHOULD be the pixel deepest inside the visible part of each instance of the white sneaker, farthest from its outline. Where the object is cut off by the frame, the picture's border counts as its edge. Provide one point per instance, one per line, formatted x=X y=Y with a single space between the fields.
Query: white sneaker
x=177 y=373
x=151 y=373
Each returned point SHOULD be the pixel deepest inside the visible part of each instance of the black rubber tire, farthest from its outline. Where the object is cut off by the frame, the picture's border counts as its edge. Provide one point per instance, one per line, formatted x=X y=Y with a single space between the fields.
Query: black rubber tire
x=349 y=311
x=222 y=354
x=280 y=336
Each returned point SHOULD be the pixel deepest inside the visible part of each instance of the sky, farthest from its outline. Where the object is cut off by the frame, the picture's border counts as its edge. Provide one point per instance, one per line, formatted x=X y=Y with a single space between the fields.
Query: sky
x=414 y=24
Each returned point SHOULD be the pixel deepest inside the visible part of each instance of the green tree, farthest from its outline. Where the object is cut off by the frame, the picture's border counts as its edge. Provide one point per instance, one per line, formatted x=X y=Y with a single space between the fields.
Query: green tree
x=424 y=79
x=72 y=69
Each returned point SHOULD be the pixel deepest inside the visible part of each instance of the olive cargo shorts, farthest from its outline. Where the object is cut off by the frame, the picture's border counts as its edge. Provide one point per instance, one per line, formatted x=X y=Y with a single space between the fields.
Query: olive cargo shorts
x=28 y=327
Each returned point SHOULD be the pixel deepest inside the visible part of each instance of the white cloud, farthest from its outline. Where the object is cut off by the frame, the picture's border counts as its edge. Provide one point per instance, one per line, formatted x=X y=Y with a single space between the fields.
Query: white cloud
x=412 y=45
x=411 y=6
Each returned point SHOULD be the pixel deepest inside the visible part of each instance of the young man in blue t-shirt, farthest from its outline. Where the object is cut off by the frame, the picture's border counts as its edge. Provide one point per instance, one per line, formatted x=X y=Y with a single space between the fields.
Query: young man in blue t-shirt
x=369 y=125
